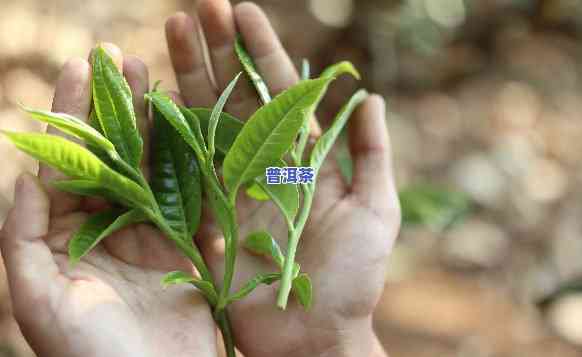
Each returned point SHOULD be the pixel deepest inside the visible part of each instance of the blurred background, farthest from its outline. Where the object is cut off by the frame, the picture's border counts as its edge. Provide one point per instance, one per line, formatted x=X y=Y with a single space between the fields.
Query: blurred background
x=485 y=101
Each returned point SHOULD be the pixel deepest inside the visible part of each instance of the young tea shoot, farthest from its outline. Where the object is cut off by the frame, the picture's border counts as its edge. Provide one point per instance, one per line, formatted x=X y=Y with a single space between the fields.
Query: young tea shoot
x=191 y=147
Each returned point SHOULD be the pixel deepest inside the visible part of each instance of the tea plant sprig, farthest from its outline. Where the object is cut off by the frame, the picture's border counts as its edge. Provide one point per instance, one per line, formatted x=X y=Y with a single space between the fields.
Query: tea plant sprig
x=296 y=217
x=187 y=124
x=262 y=141
x=109 y=166
x=190 y=143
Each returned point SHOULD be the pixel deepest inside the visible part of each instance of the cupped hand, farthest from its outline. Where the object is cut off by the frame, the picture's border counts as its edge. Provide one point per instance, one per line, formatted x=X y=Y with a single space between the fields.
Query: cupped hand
x=352 y=226
x=111 y=303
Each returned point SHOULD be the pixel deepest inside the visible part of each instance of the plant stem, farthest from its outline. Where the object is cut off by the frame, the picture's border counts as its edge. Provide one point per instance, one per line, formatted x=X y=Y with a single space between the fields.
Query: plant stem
x=227 y=337
x=229 y=226
x=192 y=253
x=301 y=144
x=293 y=242
x=134 y=174
x=231 y=241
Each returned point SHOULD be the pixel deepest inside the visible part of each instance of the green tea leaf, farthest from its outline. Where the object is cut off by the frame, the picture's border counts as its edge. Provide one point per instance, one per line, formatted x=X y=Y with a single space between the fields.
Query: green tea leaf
x=296 y=270
x=174 y=116
x=114 y=108
x=344 y=161
x=72 y=159
x=332 y=72
x=252 y=284
x=256 y=192
x=73 y=126
x=176 y=180
x=205 y=287
x=432 y=206
x=263 y=243
x=286 y=197
x=221 y=208
x=338 y=69
x=303 y=290
x=97 y=227
x=326 y=141
x=78 y=163
x=94 y=122
x=215 y=116
x=270 y=132
x=82 y=187
x=251 y=69
x=228 y=127
x=198 y=119
x=194 y=123
x=88 y=188
x=102 y=154
x=87 y=236
x=304 y=132
x=177 y=278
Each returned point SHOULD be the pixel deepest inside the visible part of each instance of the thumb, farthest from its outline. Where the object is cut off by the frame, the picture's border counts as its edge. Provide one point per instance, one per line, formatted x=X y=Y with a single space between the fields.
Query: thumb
x=30 y=266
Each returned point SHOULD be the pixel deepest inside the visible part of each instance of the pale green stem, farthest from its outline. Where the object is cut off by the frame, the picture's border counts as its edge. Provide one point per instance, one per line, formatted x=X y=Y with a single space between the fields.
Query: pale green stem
x=301 y=144
x=293 y=242
x=130 y=170
x=231 y=241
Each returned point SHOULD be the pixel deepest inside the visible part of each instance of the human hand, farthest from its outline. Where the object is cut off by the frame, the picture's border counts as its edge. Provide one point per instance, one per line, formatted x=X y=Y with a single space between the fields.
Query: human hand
x=111 y=303
x=352 y=227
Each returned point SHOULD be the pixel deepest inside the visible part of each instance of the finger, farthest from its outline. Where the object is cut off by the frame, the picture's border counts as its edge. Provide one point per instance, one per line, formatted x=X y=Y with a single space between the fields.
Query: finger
x=136 y=74
x=72 y=96
x=331 y=186
x=264 y=46
x=187 y=55
x=30 y=266
x=219 y=29
x=373 y=182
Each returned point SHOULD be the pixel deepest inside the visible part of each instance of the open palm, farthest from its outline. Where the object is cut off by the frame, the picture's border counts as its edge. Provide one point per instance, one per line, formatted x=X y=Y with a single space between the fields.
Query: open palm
x=351 y=228
x=111 y=303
